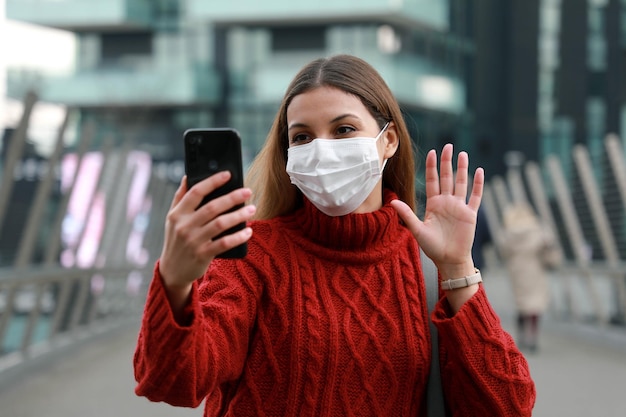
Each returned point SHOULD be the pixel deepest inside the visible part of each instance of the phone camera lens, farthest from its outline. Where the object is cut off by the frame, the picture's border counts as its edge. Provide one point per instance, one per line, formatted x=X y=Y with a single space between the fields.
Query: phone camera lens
x=213 y=165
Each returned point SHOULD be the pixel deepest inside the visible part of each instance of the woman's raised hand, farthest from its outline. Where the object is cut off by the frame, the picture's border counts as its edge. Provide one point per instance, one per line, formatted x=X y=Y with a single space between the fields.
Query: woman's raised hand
x=447 y=232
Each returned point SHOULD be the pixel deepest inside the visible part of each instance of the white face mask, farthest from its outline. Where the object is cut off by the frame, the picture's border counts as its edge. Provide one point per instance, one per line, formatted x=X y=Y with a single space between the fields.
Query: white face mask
x=336 y=175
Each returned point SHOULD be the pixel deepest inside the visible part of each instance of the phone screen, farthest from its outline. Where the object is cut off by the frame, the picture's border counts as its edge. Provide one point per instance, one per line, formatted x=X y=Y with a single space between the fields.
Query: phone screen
x=208 y=151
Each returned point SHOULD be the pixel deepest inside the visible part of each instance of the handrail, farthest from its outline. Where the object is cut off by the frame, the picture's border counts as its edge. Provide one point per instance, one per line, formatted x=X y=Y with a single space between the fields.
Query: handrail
x=41 y=306
x=45 y=306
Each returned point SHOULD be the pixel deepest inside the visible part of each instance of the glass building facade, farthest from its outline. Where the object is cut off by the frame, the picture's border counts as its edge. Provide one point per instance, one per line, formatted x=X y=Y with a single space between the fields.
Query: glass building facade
x=148 y=70
x=582 y=86
x=491 y=76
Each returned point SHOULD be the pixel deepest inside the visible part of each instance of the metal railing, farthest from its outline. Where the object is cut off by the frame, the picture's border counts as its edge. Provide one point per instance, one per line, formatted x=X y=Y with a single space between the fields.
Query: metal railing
x=45 y=308
x=79 y=256
x=587 y=211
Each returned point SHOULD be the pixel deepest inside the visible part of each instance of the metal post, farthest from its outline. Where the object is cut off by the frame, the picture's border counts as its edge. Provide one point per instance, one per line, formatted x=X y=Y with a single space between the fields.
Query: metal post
x=78 y=306
x=575 y=234
x=601 y=223
x=516 y=185
x=615 y=154
x=62 y=306
x=115 y=186
x=117 y=251
x=33 y=317
x=11 y=292
x=13 y=155
x=54 y=244
x=42 y=196
x=109 y=167
x=500 y=192
x=539 y=196
x=81 y=288
x=160 y=205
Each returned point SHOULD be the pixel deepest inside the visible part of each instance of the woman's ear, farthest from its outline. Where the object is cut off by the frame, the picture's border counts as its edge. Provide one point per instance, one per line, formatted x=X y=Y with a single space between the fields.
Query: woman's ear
x=391 y=141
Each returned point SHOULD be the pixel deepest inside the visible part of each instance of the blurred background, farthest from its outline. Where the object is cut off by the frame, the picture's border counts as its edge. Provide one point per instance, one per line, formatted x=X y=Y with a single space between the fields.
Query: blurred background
x=96 y=94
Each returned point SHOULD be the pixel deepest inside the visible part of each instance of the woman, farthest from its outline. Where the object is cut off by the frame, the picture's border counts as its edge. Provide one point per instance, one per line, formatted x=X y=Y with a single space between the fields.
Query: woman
x=525 y=243
x=326 y=315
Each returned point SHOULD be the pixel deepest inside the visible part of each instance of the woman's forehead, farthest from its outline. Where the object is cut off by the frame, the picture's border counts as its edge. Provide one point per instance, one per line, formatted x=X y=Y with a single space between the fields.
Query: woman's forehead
x=324 y=103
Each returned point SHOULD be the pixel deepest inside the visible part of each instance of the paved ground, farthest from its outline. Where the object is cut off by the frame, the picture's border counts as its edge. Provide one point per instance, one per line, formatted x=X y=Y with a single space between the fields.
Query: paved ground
x=580 y=371
x=93 y=380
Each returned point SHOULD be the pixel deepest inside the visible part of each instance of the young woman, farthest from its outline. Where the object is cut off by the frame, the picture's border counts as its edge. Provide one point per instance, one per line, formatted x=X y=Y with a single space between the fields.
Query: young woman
x=327 y=315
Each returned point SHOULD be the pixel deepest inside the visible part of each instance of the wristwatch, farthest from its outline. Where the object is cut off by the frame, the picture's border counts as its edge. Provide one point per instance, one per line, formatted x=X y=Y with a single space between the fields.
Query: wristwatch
x=453 y=284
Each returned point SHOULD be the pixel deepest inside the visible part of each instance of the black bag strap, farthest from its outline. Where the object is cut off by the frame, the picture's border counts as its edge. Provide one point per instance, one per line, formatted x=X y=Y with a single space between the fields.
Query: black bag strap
x=434 y=392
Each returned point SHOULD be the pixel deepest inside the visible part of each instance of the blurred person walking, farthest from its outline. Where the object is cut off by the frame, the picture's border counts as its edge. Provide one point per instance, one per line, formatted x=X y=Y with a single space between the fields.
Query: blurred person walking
x=528 y=249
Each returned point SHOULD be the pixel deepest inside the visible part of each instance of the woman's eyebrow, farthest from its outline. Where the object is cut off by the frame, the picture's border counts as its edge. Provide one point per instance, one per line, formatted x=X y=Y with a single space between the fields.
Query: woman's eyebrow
x=334 y=120
x=297 y=125
x=345 y=116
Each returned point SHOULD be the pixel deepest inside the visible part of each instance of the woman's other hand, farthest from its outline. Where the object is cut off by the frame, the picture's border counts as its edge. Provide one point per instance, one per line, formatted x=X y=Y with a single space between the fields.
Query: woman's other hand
x=188 y=246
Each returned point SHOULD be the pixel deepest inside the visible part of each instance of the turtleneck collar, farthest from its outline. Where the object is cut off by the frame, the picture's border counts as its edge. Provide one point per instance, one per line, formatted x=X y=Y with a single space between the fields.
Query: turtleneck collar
x=355 y=232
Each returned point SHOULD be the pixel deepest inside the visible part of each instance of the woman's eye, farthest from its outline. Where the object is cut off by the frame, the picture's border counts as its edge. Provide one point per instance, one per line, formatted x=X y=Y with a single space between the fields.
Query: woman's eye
x=345 y=130
x=300 y=139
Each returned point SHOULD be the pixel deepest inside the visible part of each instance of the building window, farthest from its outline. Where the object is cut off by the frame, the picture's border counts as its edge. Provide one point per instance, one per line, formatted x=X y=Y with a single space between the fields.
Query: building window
x=623 y=25
x=596 y=43
x=298 y=38
x=596 y=127
x=623 y=123
x=119 y=46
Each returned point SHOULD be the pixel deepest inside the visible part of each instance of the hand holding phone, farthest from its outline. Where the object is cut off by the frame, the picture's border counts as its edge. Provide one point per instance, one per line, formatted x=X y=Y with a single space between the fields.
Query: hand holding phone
x=208 y=151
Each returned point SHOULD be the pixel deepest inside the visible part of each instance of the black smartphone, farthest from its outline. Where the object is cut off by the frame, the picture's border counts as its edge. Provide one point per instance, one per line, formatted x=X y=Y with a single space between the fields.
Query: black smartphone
x=208 y=151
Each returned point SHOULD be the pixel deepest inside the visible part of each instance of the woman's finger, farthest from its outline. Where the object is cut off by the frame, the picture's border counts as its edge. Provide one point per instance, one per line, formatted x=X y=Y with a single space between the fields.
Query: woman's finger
x=412 y=222
x=446 y=176
x=194 y=195
x=212 y=248
x=222 y=222
x=180 y=192
x=477 y=189
x=432 y=177
x=460 y=187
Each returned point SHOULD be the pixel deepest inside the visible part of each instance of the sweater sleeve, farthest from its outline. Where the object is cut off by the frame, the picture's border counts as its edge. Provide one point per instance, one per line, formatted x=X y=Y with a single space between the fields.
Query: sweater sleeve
x=182 y=364
x=483 y=373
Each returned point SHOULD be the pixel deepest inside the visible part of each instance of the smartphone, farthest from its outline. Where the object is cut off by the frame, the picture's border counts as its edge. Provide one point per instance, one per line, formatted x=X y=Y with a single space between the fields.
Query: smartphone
x=208 y=151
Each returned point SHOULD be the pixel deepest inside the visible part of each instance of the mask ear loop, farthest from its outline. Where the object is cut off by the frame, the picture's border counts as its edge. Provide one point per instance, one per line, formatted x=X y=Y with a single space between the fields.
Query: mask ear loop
x=383 y=129
x=378 y=137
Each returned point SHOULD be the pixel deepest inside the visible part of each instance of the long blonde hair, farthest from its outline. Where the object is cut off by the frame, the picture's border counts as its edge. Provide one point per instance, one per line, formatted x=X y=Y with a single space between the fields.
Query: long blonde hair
x=273 y=193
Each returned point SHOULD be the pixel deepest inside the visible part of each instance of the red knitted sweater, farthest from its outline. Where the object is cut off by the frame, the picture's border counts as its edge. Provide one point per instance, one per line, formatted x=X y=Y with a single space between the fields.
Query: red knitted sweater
x=326 y=316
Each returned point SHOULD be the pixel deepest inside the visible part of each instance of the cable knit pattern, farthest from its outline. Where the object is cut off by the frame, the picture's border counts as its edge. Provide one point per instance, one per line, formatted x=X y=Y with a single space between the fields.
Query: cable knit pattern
x=326 y=316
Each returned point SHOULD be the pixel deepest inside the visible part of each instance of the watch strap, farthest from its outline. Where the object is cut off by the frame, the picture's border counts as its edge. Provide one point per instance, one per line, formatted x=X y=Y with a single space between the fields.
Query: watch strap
x=453 y=284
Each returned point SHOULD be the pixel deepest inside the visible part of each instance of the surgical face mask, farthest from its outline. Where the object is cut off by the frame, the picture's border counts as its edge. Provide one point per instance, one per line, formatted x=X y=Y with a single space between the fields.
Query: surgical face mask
x=336 y=175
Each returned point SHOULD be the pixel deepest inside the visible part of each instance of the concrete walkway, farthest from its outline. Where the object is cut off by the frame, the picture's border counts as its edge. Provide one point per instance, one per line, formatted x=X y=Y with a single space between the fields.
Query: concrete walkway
x=92 y=380
x=580 y=371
